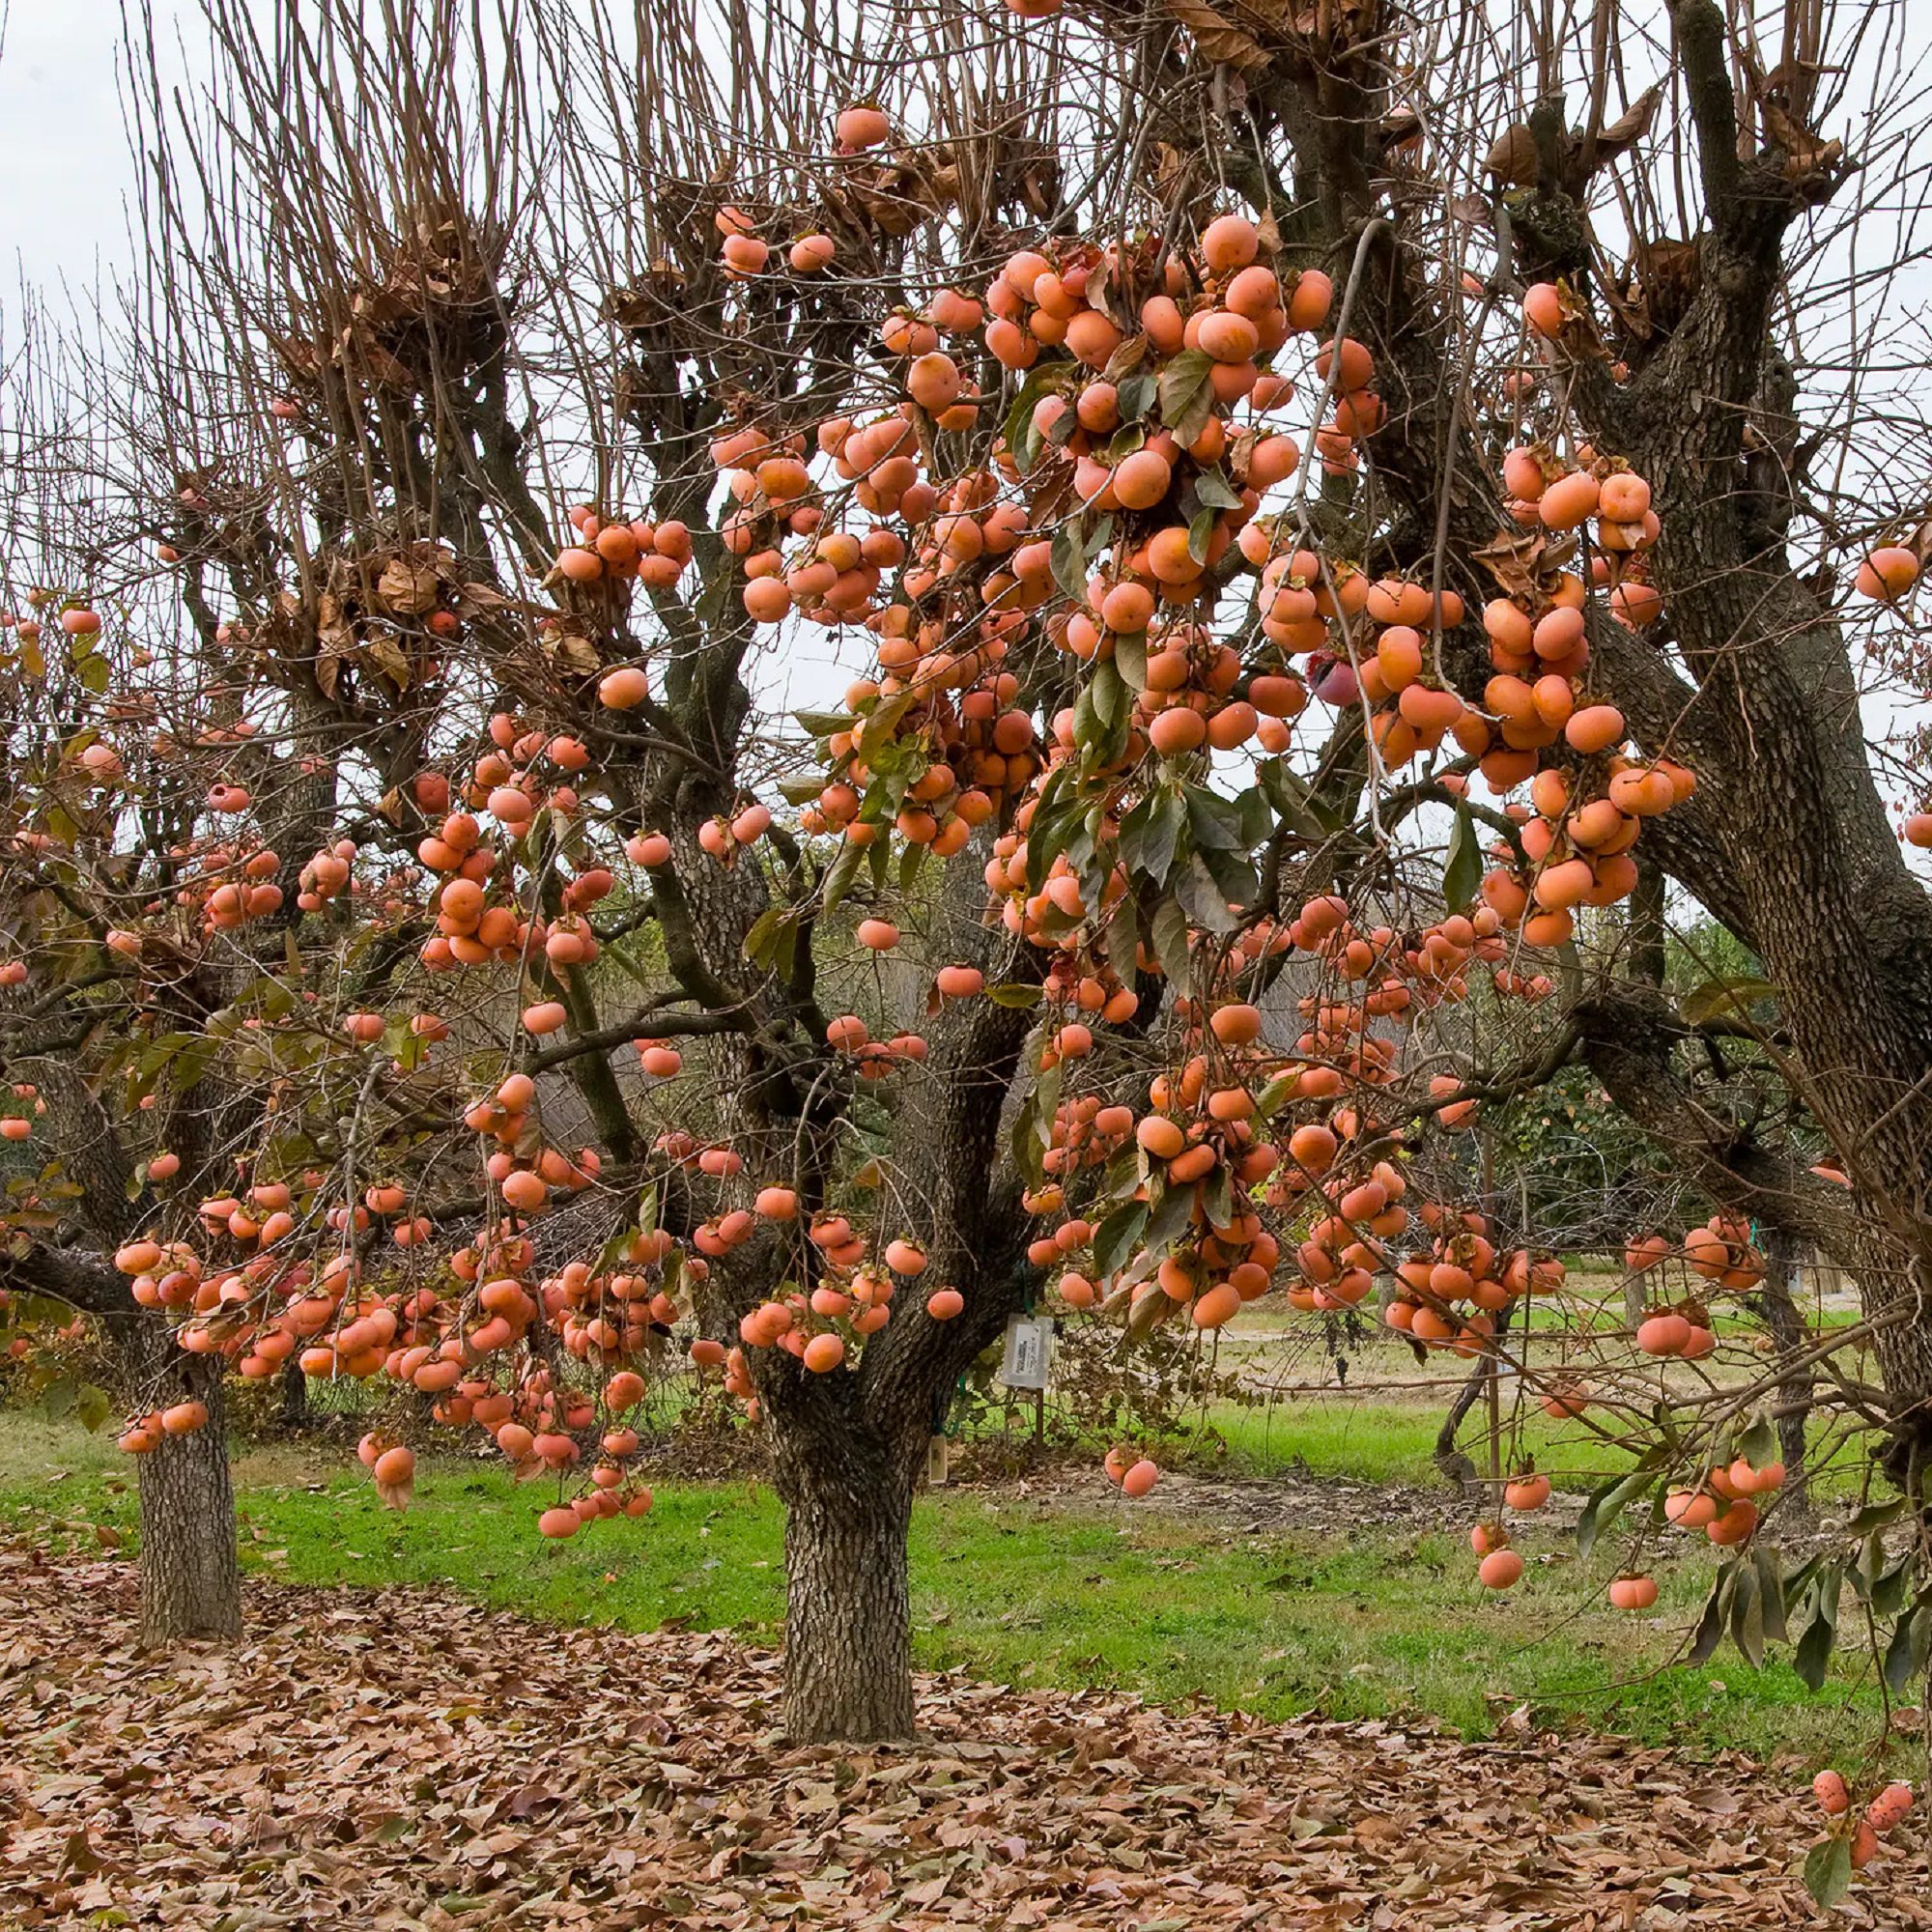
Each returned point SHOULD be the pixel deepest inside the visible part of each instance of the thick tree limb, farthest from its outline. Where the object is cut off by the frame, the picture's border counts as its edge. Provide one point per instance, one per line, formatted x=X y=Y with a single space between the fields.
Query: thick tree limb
x=66 y=1274
x=1625 y=1035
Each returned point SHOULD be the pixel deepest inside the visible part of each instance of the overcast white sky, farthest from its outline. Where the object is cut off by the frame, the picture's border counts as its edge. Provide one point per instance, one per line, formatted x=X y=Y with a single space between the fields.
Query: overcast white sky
x=64 y=167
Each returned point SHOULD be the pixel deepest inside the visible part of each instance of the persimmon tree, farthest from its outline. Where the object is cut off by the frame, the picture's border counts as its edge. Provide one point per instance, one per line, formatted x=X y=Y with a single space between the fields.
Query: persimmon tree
x=1297 y=564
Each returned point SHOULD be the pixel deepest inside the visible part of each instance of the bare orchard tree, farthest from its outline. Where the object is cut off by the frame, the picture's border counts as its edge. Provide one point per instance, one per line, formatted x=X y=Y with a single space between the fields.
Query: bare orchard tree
x=507 y=413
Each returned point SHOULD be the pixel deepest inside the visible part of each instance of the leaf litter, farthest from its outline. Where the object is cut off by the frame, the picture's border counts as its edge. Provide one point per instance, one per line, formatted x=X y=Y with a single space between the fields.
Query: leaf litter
x=395 y=1760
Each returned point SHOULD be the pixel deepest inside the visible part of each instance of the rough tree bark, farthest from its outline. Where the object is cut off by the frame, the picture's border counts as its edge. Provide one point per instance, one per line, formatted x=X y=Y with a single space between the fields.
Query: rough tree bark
x=190 y=1583
x=1787 y=841
x=848 y=1448
x=1452 y=1463
x=848 y=1604
x=1780 y=1311
x=291 y=1412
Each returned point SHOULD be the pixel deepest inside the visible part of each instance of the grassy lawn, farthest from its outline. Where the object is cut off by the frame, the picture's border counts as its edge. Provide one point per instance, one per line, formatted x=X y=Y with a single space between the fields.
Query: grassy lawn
x=1387 y=1441
x=1033 y=1591
x=1394 y=1442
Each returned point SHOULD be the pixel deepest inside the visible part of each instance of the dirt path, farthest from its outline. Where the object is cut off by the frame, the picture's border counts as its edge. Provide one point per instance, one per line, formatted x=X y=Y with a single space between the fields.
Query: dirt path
x=394 y=1760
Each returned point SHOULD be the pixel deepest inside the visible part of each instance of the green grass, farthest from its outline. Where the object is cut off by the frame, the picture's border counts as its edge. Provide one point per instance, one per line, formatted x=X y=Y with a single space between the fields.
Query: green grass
x=1394 y=1442
x=1384 y=1441
x=1030 y=1590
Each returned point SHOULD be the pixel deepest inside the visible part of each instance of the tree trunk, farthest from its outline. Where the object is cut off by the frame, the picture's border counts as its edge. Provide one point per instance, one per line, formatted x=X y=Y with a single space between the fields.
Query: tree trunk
x=1904 y=1354
x=1636 y=1298
x=1451 y=1462
x=191 y=1585
x=1778 y=1308
x=293 y=1412
x=848 y=1609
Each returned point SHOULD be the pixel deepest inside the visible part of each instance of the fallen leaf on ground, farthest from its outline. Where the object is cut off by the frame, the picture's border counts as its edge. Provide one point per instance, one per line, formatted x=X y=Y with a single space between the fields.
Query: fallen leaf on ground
x=412 y=1763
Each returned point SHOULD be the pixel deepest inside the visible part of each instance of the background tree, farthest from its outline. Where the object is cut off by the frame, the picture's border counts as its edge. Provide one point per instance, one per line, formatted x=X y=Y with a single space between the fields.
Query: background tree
x=502 y=416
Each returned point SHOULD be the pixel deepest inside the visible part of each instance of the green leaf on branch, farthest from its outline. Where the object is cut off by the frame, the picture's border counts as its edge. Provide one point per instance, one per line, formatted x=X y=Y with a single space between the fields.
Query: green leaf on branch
x=1870 y=1563
x=761 y=943
x=1200 y=534
x=1112 y=699
x=1119 y=939
x=1771 y=1591
x=1758 y=1445
x=844 y=869
x=1604 y=1506
x=1748 y=1615
x=1798 y=1582
x=824 y=723
x=1149 y=834
x=1734 y=997
x=1201 y=897
x=163 y=1050
x=1186 y=387
x=1130 y=657
x=1068 y=559
x=1162 y=840
x=1168 y=933
x=92 y=1408
x=1216 y=822
x=91 y=668
x=1088 y=724
x=1290 y=798
x=1045 y=1101
x=1893 y=1587
x=1235 y=875
x=1015 y=994
x=1255 y=817
x=1049 y=835
x=1462 y=875
x=1710 y=1632
x=1217 y=1196
x=1213 y=491
x=1911 y=1646
x=1118 y=1235
x=1812 y=1652
x=1170 y=1213
x=1277 y=1093
x=1134 y=396
x=882 y=721
x=1025 y=1142
x=1828 y=1871
x=193 y=1061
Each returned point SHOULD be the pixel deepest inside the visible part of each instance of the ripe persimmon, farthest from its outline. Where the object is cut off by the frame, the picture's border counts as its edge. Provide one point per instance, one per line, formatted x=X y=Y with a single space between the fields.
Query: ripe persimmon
x=1501 y=1570
x=1888 y=573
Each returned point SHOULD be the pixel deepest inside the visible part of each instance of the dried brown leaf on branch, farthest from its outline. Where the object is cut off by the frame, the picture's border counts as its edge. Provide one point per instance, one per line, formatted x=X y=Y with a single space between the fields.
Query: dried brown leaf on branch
x=1217 y=37
x=1512 y=157
x=1518 y=561
x=1511 y=161
x=408 y=589
x=1630 y=127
